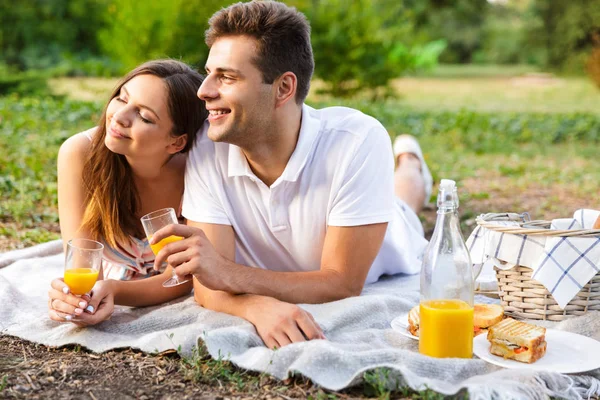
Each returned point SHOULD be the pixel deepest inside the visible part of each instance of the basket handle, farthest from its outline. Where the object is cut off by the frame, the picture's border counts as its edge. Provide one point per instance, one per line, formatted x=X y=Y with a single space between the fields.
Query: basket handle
x=489 y=217
x=528 y=227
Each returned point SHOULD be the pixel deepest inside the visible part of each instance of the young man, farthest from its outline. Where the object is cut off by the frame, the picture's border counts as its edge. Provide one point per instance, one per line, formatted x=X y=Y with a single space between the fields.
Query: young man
x=287 y=204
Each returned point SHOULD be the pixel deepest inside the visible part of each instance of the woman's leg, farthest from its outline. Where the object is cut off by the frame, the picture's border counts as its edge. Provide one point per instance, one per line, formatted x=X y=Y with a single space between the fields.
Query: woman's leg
x=409 y=184
x=412 y=179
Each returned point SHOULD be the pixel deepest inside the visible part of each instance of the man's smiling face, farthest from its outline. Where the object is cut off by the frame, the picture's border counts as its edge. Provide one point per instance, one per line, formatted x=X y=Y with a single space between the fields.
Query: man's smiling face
x=240 y=104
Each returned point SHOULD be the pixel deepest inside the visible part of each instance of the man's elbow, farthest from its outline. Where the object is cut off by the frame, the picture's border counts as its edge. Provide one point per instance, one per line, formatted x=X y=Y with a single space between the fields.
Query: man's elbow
x=354 y=289
x=347 y=289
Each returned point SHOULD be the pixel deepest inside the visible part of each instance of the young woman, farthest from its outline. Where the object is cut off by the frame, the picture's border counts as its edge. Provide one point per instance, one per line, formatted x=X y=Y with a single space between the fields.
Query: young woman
x=109 y=176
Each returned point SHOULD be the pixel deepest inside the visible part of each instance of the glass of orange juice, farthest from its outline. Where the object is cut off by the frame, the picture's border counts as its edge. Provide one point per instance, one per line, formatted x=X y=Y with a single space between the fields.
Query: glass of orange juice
x=83 y=260
x=154 y=221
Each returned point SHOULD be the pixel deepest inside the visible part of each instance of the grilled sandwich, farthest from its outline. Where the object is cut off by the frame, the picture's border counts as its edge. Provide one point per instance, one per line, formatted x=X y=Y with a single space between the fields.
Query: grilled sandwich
x=517 y=340
x=486 y=315
x=414 y=320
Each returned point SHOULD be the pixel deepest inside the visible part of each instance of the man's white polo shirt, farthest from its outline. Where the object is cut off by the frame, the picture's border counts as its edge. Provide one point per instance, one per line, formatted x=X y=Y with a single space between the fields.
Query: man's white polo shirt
x=340 y=174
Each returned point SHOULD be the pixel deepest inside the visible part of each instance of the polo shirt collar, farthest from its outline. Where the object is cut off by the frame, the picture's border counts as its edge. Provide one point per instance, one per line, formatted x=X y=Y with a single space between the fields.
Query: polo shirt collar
x=237 y=163
x=309 y=131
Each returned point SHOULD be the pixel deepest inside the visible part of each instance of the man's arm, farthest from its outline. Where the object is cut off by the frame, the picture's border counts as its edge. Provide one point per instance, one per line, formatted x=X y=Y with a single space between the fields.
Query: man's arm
x=348 y=253
x=277 y=323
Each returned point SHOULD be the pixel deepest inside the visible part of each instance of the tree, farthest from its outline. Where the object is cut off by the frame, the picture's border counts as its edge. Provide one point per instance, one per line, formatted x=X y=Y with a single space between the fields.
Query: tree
x=458 y=22
x=38 y=33
x=566 y=32
x=361 y=45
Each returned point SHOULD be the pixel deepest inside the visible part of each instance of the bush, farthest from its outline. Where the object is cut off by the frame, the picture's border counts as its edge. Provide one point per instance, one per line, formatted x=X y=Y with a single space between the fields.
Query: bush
x=139 y=31
x=566 y=32
x=86 y=65
x=485 y=132
x=361 y=45
x=28 y=83
x=34 y=34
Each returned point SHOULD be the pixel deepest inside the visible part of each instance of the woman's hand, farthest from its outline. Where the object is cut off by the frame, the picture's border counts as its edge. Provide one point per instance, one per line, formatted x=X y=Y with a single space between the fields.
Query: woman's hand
x=83 y=310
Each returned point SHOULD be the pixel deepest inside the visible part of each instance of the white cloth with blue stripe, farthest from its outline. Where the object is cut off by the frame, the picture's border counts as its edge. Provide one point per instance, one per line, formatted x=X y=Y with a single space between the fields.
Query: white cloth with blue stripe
x=564 y=265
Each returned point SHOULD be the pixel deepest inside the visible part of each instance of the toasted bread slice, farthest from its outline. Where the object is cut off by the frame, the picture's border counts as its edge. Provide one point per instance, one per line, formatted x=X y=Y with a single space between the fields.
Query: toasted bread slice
x=517 y=340
x=414 y=320
x=486 y=315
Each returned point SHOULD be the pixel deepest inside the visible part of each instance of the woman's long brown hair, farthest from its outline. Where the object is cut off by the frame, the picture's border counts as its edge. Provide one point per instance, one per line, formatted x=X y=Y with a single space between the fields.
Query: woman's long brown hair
x=111 y=195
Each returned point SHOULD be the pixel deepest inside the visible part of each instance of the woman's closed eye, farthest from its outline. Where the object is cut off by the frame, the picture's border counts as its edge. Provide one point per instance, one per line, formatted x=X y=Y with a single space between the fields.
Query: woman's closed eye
x=145 y=120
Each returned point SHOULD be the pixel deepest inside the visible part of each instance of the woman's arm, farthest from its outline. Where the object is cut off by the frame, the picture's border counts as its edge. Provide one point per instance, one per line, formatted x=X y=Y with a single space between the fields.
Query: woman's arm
x=84 y=311
x=64 y=306
x=71 y=194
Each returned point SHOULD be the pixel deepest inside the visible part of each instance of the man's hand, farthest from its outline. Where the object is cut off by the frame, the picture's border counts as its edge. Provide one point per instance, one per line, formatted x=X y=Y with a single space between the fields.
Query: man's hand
x=193 y=255
x=64 y=306
x=279 y=323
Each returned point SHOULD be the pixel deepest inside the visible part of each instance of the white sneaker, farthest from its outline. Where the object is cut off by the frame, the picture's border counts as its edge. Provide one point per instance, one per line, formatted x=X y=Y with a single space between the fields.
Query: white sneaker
x=408 y=144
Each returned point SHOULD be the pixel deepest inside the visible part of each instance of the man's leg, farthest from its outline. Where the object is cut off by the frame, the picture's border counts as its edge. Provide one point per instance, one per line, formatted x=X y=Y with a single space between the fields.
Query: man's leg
x=412 y=178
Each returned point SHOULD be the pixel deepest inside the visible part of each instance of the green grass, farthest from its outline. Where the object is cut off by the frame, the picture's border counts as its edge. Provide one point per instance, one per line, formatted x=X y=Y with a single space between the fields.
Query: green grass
x=3 y=383
x=379 y=383
x=201 y=367
x=476 y=71
x=500 y=94
x=31 y=131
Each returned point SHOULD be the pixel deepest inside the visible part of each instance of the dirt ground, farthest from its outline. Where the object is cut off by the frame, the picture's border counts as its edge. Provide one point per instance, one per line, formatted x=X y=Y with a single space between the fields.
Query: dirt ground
x=33 y=371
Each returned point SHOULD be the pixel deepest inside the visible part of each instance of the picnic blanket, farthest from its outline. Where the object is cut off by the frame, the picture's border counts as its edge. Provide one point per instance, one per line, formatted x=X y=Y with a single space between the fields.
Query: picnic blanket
x=359 y=337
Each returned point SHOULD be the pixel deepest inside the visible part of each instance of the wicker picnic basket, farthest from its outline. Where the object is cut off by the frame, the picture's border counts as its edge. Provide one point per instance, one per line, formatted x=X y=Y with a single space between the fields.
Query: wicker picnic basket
x=526 y=298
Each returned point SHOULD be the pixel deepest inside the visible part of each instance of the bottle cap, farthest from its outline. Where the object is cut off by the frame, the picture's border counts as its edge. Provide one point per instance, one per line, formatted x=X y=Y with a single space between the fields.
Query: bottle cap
x=447 y=196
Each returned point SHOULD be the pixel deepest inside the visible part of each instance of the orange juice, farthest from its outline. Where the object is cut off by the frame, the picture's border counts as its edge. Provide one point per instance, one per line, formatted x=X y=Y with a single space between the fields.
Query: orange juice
x=81 y=280
x=158 y=246
x=446 y=329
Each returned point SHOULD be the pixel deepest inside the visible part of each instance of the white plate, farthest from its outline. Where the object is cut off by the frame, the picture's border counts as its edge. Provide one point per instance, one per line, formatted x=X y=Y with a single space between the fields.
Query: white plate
x=400 y=325
x=566 y=352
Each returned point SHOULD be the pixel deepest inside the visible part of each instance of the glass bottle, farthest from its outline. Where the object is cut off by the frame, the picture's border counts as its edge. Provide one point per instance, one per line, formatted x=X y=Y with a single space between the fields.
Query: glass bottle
x=446 y=308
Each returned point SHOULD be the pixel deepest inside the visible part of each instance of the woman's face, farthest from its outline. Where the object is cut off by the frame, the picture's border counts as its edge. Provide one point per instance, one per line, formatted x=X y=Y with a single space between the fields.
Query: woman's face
x=138 y=123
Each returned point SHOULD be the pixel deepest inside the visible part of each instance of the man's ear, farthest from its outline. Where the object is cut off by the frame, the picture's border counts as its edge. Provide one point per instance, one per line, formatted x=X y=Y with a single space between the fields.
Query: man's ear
x=286 y=86
x=177 y=144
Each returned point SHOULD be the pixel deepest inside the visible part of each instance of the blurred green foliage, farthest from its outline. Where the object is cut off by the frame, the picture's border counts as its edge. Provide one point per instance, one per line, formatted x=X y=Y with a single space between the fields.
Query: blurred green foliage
x=458 y=22
x=483 y=132
x=363 y=44
x=565 y=30
x=37 y=34
x=505 y=36
x=136 y=31
x=358 y=44
x=30 y=82
x=31 y=131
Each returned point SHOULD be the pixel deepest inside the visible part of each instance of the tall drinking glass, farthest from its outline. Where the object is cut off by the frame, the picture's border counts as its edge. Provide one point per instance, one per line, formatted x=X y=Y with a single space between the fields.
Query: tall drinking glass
x=83 y=260
x=154 y=221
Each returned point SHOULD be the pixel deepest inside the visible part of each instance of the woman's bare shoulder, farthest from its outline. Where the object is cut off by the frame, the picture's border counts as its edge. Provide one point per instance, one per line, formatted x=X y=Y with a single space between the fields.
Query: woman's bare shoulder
x=76 y=148
x=79 y=143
